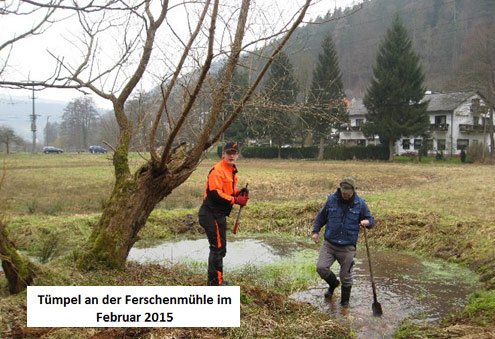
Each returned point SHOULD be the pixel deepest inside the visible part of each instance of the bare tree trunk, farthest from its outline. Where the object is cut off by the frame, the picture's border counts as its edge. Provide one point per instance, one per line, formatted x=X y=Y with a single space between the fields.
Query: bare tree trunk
x=321 y=147
x=390 y=150
x=132 y=200
x=19 y=271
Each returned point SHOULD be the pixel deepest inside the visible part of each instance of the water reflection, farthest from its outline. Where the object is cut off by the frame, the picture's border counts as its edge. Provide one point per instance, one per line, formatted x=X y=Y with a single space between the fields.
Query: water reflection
x=240 y=252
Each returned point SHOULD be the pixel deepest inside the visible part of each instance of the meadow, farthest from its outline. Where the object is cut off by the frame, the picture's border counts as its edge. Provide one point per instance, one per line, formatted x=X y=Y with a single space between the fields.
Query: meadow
x=435 y=209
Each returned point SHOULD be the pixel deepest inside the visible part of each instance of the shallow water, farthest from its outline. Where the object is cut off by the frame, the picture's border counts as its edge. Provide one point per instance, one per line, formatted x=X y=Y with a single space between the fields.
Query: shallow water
x=240 y=252
x=406 y=285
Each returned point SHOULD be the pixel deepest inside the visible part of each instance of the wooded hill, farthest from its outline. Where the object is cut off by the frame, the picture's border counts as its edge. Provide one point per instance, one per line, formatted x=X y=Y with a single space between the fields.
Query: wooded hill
x=440 y=31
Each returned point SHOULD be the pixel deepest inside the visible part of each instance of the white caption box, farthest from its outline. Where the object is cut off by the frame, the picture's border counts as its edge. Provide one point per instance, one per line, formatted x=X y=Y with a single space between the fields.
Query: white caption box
x=133 y=306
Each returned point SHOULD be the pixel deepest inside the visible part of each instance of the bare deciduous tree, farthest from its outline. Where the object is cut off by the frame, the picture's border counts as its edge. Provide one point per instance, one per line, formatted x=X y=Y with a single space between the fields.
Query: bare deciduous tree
x=182 y=62
x=79 y=123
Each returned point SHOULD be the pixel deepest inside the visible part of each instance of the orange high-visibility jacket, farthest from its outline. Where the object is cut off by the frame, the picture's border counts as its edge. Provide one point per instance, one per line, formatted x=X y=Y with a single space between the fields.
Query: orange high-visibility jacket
x=220 y=188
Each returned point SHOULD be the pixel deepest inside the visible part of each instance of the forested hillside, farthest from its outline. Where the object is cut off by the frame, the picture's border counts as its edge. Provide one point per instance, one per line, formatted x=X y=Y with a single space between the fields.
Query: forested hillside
x=440 y=29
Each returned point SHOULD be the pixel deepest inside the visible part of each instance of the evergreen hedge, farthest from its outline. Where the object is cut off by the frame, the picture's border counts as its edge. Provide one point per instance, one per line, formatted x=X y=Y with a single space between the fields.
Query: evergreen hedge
x=330 y=152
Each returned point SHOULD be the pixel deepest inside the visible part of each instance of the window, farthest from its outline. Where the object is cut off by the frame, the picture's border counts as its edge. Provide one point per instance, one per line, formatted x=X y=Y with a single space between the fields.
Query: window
x=359 y=122
x=429 y=144
x=441 y=144
x=361 y=142
x=440 y=120
x=476 y=120
x=462 y=143
x=417 y=144
x=406 y=143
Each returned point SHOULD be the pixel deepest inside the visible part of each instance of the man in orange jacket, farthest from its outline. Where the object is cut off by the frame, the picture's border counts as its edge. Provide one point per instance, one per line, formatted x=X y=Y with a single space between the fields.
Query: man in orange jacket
x=220 y=195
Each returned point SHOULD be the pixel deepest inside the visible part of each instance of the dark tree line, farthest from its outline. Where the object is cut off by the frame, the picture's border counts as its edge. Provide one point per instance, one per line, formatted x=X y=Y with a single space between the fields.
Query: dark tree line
x=439 y=29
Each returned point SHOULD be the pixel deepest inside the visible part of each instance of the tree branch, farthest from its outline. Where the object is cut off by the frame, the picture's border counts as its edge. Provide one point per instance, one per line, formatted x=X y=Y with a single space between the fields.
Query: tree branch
x=206 y=66
x=260 y=76
x=172 y=82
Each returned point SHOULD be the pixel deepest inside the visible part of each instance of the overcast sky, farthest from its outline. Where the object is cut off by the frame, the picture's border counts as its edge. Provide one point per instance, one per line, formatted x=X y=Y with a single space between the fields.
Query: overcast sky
x=29 y=58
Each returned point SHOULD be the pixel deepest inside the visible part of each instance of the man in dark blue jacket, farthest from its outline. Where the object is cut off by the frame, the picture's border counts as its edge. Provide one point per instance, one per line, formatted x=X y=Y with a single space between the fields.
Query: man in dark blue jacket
x=343 y=214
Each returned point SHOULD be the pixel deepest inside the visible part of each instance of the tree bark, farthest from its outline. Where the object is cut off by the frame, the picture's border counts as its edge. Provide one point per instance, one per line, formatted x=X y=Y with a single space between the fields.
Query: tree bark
x=19 y=271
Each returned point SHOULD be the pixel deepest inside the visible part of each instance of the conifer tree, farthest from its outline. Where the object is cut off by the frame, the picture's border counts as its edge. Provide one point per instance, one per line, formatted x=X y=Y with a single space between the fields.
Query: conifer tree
x=393 y=99
x=326 y=103
x=281 y=92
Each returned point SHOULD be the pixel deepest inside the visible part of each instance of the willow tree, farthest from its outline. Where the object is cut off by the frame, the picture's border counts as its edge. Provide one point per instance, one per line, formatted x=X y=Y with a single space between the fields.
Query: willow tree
x=125 y=45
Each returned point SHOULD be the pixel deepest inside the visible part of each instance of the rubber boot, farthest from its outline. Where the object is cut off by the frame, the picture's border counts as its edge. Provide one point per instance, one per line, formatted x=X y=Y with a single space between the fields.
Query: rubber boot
x=333 y=283
x=345 y=295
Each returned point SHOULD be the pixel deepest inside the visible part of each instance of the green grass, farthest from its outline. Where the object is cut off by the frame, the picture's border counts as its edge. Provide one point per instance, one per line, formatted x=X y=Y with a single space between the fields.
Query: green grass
x=481 y=308
x=439 y=209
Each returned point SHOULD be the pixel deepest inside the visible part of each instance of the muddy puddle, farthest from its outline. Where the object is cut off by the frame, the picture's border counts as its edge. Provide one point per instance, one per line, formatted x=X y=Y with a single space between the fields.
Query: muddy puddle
x=407 y=286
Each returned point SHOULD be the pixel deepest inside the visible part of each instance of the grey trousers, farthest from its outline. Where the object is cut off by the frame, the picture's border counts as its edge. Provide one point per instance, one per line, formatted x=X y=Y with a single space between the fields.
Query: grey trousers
x=345 y=257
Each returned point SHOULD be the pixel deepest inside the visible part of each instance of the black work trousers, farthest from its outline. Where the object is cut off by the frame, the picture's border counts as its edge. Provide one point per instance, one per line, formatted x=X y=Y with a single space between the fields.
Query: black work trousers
x=216 y=231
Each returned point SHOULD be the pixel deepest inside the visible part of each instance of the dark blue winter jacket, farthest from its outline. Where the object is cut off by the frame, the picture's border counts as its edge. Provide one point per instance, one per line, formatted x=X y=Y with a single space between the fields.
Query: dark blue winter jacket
x=342 y=219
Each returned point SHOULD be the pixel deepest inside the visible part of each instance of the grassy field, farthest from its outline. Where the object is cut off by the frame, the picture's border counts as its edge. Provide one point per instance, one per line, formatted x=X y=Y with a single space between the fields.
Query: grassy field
x=436 y=209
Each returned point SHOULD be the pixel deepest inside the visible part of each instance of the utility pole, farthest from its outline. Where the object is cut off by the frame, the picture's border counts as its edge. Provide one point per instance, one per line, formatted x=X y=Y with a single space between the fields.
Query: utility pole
x=46 y=130
x=33 y=125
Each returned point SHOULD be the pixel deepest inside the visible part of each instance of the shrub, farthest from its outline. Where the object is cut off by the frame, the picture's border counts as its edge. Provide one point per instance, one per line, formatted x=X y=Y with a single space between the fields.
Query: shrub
x=32 y=206
x=47 y=245
x=463 y=155
x=439 y=155
x=475 y=153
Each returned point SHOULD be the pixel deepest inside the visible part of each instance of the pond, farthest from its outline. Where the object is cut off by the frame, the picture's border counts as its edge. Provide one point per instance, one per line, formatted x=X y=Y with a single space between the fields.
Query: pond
x=407 y=286
x=241 y=251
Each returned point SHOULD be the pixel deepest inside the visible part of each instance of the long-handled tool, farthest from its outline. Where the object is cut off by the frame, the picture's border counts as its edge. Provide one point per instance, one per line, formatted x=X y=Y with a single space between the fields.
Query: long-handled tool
x=376 y=307
x=238 y=217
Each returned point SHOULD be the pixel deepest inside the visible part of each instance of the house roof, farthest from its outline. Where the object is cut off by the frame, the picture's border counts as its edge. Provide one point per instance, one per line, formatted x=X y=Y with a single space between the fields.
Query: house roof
x=438 y=102
x=446 y=101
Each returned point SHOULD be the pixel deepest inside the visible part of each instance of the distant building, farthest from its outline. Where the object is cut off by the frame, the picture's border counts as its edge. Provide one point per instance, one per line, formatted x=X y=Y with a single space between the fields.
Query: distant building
x=457 y=120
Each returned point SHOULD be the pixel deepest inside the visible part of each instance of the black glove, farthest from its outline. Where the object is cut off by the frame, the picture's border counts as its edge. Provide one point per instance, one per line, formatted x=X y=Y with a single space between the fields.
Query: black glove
x=244 y=191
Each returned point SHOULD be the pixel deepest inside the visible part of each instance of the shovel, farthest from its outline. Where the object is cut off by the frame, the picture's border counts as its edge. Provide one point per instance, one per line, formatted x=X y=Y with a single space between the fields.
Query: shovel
x=376 y=307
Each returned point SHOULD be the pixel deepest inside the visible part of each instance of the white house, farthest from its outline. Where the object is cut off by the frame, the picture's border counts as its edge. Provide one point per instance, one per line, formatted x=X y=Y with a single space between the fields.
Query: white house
x=457 y=120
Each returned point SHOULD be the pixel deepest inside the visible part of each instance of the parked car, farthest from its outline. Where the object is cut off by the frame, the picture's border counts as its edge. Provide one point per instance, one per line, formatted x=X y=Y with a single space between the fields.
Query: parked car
x=97 y=149
x=51 y=149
